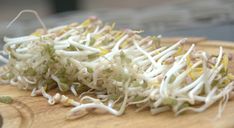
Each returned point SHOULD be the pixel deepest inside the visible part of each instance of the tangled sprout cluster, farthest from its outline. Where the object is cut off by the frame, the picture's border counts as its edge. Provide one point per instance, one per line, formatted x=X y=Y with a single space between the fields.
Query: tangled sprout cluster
x=111 y=69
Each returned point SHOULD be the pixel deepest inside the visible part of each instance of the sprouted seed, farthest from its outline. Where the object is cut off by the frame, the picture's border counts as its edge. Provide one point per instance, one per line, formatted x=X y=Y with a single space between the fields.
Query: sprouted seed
x=111 y=69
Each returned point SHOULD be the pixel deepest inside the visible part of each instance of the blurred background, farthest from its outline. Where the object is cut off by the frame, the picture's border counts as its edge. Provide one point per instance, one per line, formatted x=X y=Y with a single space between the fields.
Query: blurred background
x=213 y=19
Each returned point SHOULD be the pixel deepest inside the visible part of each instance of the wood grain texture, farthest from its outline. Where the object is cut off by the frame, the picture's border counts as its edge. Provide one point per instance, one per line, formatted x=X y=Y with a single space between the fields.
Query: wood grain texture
x=34 y=112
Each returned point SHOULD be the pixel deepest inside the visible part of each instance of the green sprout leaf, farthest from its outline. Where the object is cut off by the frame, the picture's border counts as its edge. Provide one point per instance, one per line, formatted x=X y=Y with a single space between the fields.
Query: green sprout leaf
x=6 y=99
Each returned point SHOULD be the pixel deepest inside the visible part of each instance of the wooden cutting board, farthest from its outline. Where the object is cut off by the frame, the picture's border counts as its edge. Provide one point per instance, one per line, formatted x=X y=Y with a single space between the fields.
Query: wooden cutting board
x=34 y=112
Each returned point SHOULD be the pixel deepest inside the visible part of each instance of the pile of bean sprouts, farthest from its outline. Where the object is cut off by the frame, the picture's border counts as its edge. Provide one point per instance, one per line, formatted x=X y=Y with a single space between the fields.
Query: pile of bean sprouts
x=110 y=69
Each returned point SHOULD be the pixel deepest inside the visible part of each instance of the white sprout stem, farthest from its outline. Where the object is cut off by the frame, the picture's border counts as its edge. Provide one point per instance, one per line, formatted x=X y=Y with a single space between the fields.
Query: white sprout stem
x=133 y=47
x=73 y=53
x=214 y=74
x=222 y=106
x=61 y=47
x=102 y=30
x=33 y=93
x=155 y=72
x=29 y=81
x=211 y=77
x=55 y=78
x=153 y=94
x=186 y=54
x=95 y=105
x=96 y=30
x=14 y=82
x=68 y=33
x=141 y=58
x=190 y=86
x=79 y=45
x=22 y=50
x=62 y=42
x=88 y=38
x=108 y=46
x=145 y=53
x=22 y=56
x=46 y=95
x=73 y=90
x=195 y=91
x=28 y=11
x=219 y=57
x=159 y=62
x=19 y=40
x=88 y=98
x=121 y=40
x=163 y=58
x=170 y=48
x=158 y=103
x=211 y=94
x=56 y=29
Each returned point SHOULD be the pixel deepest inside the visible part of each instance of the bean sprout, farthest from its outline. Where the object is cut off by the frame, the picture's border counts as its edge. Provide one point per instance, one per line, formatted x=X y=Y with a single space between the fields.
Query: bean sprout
x=110 y=69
